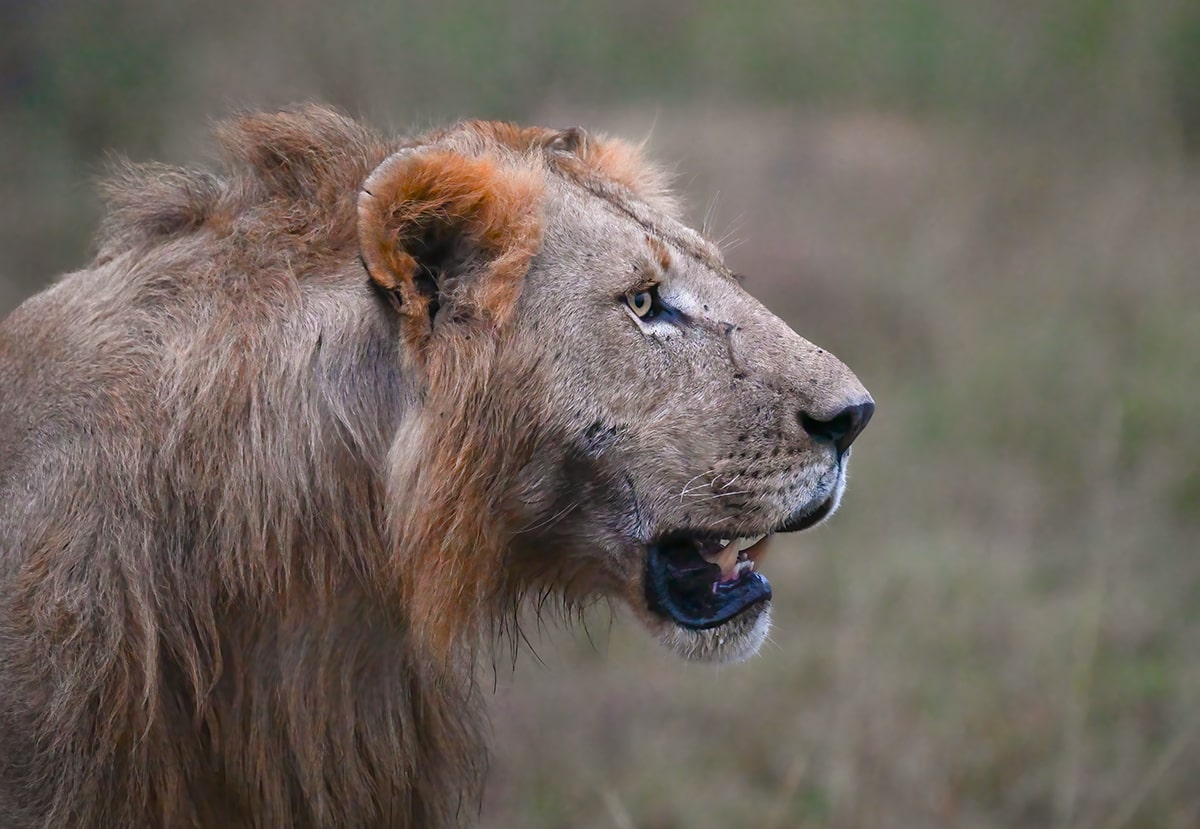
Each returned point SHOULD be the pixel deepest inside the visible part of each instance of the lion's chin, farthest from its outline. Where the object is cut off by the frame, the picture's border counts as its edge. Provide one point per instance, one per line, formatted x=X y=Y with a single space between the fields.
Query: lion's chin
x=734 y=641
x=699 y=593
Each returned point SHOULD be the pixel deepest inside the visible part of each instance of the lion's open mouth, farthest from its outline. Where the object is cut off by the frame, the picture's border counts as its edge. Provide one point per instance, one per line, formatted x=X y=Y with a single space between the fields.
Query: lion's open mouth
x=701 y=582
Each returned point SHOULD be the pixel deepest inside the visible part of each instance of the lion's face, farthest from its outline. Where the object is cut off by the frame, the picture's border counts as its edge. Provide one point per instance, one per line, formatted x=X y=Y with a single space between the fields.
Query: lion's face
x=699 y=424
x=670 y=424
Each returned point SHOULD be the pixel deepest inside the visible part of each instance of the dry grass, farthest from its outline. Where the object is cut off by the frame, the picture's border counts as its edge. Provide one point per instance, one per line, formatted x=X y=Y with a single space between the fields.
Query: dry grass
x=1002 y=626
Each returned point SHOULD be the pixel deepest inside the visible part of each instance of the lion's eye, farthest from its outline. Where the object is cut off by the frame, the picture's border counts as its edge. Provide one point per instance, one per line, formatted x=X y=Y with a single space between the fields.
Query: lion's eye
x=644 y=304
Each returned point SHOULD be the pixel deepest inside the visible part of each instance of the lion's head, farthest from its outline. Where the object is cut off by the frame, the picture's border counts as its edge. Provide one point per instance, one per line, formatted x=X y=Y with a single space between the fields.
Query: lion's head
x=277 y=462
x=602 y=399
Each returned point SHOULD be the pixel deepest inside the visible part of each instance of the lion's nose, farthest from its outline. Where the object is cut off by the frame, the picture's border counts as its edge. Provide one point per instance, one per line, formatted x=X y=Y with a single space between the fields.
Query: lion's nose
x=842 y=428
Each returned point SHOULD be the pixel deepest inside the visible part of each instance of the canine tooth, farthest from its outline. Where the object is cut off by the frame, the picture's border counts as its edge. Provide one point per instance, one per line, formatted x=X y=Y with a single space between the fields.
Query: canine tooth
x=728 y=559
x=725 y=558
x=756 y=552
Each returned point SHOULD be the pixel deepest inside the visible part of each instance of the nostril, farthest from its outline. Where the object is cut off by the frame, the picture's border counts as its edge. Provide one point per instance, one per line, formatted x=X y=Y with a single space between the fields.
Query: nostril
x=842 y=428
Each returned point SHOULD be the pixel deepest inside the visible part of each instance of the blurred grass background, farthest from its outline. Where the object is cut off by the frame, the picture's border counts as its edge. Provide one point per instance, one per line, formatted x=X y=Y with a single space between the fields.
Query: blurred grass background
x=989 y=209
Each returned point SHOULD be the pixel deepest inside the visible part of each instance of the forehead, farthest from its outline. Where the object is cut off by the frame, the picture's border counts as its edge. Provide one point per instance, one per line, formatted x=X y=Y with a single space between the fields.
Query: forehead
x=600 y=187
x=608 y=216
x=625 y=239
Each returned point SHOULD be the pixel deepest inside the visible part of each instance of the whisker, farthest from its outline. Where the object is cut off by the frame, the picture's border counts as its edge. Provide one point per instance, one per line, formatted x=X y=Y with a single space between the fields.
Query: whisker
x=558 y=516
x=688 y=489
x=715 y=495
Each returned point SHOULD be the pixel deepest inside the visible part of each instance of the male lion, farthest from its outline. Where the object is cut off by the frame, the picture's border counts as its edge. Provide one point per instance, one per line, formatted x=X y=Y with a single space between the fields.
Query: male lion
x=293 y=447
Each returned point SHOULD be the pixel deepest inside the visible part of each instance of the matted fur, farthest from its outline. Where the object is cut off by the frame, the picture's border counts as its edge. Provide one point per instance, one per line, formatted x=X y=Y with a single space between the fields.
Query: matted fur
x=278 y=462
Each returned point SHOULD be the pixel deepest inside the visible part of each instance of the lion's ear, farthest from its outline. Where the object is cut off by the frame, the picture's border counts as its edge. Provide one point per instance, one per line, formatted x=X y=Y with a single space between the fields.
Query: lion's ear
x=444 y=233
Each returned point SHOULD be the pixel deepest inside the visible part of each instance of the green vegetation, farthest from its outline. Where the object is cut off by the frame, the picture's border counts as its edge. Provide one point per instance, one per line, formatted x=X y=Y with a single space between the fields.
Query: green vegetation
x=990 y=210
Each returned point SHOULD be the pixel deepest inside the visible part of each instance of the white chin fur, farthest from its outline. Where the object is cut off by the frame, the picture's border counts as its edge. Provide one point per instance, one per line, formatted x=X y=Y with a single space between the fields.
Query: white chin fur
x=735 y=641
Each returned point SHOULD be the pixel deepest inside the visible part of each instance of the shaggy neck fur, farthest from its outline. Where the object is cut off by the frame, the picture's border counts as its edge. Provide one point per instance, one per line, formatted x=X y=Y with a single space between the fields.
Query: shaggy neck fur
x=332 y=681
x=219 y=621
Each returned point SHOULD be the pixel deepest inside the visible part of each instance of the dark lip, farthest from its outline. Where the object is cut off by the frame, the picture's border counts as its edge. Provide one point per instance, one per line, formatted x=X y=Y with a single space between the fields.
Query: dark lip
x=677 y=536
x=805 y=519
x=683 y=587
x=801 y=520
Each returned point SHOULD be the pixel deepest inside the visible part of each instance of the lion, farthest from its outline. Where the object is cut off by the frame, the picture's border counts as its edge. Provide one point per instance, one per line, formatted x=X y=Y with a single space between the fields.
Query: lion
x=289 y=455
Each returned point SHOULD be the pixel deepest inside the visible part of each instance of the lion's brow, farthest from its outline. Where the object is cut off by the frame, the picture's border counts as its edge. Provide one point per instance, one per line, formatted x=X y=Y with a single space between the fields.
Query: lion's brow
x=660 y=252
x=615 y=202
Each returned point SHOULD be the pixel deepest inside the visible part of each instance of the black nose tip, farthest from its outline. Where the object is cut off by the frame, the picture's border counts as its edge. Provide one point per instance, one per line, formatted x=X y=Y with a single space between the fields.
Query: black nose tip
x=842 y=428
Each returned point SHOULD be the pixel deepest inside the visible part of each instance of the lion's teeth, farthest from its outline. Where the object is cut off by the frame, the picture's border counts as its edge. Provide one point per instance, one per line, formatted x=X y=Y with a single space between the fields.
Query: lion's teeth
x=729 y=557
x=725 y=558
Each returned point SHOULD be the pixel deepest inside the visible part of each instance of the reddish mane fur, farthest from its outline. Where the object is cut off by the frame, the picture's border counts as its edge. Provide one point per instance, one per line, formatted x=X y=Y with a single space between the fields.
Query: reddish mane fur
x=212 y=613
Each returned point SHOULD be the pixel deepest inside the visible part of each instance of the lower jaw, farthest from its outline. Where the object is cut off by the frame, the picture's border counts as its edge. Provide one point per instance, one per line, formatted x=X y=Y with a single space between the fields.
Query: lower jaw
x=689 y=597
x=734 y=641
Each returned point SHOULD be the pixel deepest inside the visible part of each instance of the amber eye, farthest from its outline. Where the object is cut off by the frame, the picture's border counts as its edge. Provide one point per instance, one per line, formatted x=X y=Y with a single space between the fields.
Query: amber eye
x=641 y=303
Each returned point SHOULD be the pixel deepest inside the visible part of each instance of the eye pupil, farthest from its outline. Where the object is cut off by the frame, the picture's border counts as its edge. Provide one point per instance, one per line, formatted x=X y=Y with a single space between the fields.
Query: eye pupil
x=642 y=303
